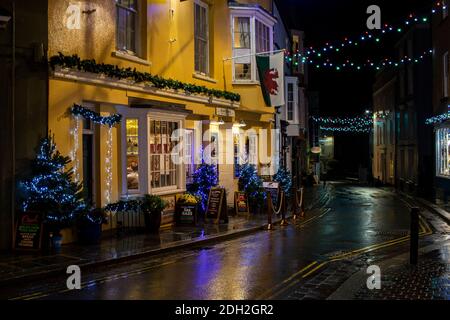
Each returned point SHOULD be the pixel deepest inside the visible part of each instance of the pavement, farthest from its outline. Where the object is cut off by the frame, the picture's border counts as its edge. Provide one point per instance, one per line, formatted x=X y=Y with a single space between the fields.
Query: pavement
x=428 y=280
x=19 y=267
x=323 y=255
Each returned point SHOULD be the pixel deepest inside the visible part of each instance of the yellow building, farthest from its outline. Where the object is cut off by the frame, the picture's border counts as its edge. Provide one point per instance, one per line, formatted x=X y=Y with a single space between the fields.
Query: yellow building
x=187 y=41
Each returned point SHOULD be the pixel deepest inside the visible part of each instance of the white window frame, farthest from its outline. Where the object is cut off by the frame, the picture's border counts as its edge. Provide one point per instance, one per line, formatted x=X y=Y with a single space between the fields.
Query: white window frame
x=253 y=14
x=295 y=104
x=189 y=150
x=181 y=173
x=144 y=116
x=438 y=154
x=445 y=74
x=206 y=7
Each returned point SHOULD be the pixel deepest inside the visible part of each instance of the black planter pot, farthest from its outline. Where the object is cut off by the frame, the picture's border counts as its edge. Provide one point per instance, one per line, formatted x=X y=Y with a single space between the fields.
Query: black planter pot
x=152 y=221
x=90 y=233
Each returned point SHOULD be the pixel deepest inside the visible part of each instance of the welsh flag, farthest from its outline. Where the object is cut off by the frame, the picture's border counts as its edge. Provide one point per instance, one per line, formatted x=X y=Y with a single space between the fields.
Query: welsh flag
x=271 y=76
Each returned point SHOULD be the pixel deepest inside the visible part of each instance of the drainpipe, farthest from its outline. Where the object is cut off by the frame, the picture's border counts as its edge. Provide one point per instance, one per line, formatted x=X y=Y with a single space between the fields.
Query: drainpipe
x=13 y=116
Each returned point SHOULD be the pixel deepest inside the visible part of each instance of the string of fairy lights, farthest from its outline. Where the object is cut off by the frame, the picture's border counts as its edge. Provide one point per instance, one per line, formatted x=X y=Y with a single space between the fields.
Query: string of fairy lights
x=317 y=56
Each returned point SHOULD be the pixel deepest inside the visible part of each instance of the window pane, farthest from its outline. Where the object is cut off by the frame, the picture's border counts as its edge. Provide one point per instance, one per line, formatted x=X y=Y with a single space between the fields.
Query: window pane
x=163 y=171
x=126 y=25
x=132 y=128
x=242 y=32
x=201 y=38
x=242 y=71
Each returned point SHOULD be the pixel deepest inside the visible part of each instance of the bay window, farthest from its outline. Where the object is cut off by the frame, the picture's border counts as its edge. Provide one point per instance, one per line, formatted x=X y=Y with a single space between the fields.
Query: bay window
x=152 y=152
x=251 y=34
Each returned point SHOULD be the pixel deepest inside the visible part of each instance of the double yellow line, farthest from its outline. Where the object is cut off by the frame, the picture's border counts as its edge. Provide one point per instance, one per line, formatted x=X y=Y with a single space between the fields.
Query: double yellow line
x=315 y=265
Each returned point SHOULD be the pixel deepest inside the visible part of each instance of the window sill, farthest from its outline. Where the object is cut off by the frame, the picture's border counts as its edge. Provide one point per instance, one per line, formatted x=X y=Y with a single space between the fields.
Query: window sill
x=203 y=77
x=168 y=192
x=130 y=57
x=246 y=82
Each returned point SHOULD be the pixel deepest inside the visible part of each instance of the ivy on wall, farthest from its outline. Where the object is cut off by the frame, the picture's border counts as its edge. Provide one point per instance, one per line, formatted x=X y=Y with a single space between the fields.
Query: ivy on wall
x=114 y=71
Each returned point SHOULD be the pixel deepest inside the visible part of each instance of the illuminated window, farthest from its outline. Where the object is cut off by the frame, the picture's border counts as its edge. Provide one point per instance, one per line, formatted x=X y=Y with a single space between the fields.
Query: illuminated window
x=443 y=152
x=126 y=25
x=163 y=170
x=132 y=129
x=242 y=33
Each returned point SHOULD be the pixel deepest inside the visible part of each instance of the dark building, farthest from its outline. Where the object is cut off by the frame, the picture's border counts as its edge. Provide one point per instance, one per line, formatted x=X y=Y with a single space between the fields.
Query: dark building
x=402 y=102
x=441 y=88
x=23 y=95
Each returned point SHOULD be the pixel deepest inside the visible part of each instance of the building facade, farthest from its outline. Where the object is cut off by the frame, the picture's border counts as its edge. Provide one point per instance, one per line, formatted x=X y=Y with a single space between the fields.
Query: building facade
x=402 y=100
x=441 y=104
x=209 y=44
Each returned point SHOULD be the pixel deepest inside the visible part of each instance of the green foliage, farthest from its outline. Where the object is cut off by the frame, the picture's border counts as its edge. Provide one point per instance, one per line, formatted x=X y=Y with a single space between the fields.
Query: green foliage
x=113 y=71
x=284 y=178
x=205 y=178
x=152 y=204
x=50 y=189
x=252 y=184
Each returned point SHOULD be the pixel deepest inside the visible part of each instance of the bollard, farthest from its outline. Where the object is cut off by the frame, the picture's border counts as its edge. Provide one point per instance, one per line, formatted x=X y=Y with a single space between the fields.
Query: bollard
x=283 y=208
x=295 y=205
x=269 y=211
x=414 y=238
x=302 y=201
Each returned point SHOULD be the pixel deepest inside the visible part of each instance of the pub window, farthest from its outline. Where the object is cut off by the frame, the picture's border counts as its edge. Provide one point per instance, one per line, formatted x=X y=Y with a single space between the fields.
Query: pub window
x=126 y=25
x=163 y=170
x=189 y=154
x=132 y=129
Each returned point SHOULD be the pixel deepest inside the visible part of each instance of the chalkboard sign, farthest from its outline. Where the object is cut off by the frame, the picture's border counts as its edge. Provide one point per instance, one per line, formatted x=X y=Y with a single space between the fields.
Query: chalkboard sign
x=28 y=234
x=186 y=215
x=274 y=189
x=217 y=205
x=241 y=203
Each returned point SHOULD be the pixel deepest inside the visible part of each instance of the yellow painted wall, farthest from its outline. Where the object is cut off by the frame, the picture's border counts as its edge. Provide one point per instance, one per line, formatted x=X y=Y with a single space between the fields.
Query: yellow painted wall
x=168 y=46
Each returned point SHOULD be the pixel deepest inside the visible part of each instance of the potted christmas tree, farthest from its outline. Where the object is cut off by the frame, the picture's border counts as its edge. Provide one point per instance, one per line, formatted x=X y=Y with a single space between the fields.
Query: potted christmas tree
x=252 y=184
x=51 y=191
x=205 y=178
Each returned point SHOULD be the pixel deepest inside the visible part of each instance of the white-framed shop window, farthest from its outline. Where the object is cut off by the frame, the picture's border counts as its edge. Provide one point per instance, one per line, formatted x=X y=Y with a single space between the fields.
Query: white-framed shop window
x=443 y=152
x=150 y=143
x=201 y=37
x=132 y=154
x=189 y=154
x=251 y=32
x=165 y=170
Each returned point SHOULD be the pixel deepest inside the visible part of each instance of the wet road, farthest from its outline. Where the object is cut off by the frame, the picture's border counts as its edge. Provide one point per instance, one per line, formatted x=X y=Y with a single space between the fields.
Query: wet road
x=356 y=221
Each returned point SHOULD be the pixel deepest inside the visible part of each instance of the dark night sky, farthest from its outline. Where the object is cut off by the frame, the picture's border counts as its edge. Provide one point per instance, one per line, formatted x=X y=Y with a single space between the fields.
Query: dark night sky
x=327 y=20
x=347 y=93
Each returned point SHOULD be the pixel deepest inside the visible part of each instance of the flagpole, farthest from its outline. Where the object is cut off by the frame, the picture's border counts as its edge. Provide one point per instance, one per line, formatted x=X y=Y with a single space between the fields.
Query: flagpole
x=254 y=54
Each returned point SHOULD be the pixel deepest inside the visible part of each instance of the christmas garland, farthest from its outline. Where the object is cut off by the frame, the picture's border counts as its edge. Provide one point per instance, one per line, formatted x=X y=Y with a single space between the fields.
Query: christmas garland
x=113 y=71
x=438 y=119
x=111 y=121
